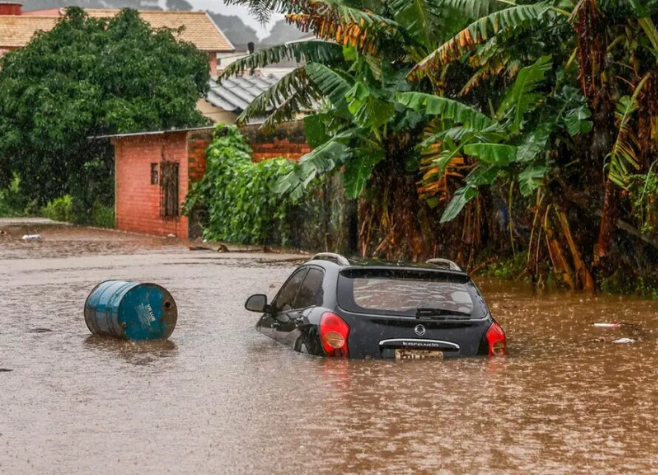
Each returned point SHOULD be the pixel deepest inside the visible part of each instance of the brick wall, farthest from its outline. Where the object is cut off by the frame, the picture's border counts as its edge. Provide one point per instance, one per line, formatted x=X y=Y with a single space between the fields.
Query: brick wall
x=137 y=200
x=287 y=140
x=197 y=143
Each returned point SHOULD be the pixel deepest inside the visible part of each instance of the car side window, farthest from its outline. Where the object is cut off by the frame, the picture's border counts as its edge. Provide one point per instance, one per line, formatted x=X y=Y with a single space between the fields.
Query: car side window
x=288 y=292
x=310 y=293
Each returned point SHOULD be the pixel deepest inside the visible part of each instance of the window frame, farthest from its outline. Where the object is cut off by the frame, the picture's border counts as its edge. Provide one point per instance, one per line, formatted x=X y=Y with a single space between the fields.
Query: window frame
x=321 y=287
x=275 y=308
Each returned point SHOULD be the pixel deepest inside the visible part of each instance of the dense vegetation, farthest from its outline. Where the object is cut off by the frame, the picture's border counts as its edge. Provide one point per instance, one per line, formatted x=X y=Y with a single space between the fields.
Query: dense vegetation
x=85 y=78
x=239 y=194
x=471 y=128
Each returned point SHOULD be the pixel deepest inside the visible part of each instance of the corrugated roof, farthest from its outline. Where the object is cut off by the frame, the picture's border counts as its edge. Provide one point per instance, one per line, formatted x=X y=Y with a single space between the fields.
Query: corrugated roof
x=236 y=93
x=199 y=29
x=17 y=31
x=152 y=132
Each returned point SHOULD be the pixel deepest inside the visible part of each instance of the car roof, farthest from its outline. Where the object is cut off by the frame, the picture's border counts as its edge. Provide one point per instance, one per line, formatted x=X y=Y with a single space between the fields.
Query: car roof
x=336 y=261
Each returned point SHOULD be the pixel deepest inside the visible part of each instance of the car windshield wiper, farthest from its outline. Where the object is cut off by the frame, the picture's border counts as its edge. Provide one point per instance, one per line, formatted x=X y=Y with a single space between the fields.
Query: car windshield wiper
x=439 y=313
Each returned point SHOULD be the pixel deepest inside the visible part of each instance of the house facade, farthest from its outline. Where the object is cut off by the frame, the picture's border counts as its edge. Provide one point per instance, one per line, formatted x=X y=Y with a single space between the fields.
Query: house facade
x=153 y=174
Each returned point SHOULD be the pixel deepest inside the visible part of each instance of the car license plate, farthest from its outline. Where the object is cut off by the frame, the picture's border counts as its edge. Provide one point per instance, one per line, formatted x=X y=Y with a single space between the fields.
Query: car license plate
x=407 y=354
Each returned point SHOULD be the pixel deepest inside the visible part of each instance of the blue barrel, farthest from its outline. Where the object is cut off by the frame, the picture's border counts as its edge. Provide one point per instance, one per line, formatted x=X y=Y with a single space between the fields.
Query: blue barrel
x=131 y=310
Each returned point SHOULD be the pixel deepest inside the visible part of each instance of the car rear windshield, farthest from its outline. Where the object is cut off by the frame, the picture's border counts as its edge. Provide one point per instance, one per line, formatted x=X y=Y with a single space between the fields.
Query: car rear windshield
x=403 y=292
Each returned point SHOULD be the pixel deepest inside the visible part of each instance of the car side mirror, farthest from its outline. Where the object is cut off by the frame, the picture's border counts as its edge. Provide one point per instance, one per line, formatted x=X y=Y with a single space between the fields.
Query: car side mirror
x=257 y=303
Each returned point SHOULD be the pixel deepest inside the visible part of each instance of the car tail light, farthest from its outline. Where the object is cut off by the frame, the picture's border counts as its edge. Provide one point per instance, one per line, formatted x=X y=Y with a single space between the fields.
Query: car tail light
x=496 y=340
x=334 y=333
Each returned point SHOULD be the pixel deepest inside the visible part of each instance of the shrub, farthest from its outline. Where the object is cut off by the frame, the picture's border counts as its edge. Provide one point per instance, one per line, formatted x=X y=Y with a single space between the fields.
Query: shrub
x=60 y=209
x=102 y=216
x=238 y=194
x=13 y=202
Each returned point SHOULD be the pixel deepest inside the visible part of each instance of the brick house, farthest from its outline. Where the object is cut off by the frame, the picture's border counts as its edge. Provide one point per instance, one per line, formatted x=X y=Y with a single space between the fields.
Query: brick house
x=153 y=173
x=155 y=170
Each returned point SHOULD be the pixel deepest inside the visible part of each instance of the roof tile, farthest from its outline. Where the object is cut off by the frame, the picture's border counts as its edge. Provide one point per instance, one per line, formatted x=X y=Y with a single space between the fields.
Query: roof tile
x=198 y=27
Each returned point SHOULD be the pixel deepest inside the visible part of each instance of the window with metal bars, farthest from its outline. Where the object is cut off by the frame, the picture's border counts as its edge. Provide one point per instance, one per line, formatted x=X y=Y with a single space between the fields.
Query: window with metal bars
x=169 y=190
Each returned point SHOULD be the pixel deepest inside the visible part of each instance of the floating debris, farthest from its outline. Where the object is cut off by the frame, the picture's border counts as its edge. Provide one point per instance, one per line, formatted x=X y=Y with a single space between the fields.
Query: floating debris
x=5 y=370
x=624 y=340
x=608 y=325
x=222 y=248
x=32 y=237
x=3 y=232
x=200 y=248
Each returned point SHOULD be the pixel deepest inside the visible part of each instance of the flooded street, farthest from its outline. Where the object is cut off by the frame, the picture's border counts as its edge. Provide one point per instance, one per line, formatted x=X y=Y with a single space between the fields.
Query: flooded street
x=221 y=398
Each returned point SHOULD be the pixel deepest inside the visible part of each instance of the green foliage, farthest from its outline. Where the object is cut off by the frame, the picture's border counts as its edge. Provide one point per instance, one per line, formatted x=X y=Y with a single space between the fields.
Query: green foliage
x=13 y=200
x=102 y=216
x=523 y=95
x=60 y=209
x=89 y=77
x=446 y=108
x=238 y=194
x=643 y=191
x=302 y=52
x=509 y=268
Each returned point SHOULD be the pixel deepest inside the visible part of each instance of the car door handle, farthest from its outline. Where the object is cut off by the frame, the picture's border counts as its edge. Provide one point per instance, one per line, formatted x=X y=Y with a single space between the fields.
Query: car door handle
x=275 y=325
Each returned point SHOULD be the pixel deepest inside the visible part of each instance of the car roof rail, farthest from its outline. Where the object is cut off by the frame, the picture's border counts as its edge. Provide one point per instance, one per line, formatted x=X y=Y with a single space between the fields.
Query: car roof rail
x=438 y=261
x=332 y=257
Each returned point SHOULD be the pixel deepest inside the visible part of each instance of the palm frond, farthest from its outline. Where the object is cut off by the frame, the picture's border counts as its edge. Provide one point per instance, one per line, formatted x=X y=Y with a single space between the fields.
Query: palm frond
x=623 y=154
x=414 y=16
x=323 y=159
x=513 y=18
x=305 y=51
x=332 y=20
x=446 y=109
x=522 y=94
x=473 y=9
x=263 y=10
x=293 y=93
x=332 y=83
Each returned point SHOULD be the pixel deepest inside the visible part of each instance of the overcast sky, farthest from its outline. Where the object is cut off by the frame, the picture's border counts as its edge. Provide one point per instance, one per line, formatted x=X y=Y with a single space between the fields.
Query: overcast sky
x=242 y=12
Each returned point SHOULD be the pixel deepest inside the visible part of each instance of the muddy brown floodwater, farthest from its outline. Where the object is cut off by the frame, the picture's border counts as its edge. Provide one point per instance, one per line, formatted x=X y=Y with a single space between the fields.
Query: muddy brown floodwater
x=221 y=398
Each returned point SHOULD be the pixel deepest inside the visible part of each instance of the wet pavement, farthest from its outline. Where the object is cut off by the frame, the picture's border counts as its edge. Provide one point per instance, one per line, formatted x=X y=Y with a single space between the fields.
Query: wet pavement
x=221 y=398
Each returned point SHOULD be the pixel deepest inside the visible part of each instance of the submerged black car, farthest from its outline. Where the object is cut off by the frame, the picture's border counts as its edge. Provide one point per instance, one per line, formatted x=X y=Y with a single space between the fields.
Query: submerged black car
x=332 y=306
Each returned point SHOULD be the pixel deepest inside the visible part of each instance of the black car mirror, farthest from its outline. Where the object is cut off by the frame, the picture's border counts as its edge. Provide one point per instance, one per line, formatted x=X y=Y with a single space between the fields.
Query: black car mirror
x=257 y=303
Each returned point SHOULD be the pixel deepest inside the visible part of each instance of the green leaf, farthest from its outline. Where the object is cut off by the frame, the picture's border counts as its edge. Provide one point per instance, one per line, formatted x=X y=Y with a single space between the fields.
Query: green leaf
x=519 y=17
x=359 y=169
x=413 y=16
x=578 y=121
x=573 y=111
x=459 y=200
x=316 y=131
x=368 y=110
x=531 y=178
x=495 y=154
x=332 y=83
x=323 y=159
x=446 y=109
x=483 y=175
x=623 y=153
x=283 y=100
x=522 y=96
x=473 y=9
x=303 y=52
x=535 y=142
